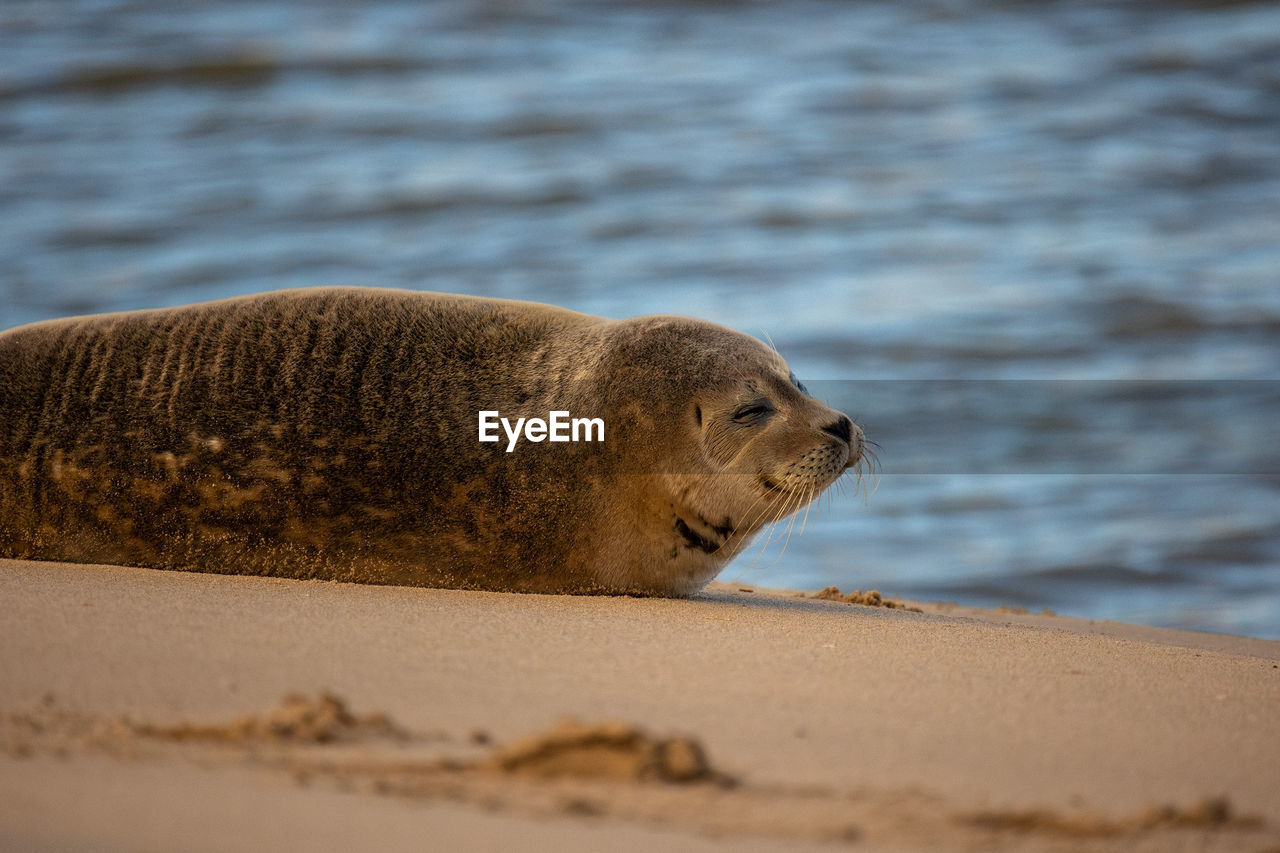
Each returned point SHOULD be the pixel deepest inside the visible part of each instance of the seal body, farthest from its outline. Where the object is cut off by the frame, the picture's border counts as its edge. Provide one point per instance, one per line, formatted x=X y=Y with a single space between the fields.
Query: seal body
x=332 y=433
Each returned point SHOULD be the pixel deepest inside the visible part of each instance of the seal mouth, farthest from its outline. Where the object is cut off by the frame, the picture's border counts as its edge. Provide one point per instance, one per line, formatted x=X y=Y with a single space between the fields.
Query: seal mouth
x=771 y=485
x=861 y=451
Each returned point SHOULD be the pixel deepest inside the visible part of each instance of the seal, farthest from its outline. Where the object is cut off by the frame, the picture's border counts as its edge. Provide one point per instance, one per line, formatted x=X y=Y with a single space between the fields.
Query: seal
x=332 y=433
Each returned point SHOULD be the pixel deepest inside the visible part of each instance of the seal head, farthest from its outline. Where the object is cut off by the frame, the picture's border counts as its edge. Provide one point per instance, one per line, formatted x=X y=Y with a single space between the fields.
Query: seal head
x=734 y=440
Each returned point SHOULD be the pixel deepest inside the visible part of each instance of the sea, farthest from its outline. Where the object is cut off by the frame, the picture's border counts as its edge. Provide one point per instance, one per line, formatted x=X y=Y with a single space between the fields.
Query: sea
x=1033 y=247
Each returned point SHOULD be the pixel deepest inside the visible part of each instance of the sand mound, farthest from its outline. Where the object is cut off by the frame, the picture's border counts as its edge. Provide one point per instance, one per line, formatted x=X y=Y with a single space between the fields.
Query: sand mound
x=609 y=750
x=1211 y=813
x=299 y=719
x=871 y=598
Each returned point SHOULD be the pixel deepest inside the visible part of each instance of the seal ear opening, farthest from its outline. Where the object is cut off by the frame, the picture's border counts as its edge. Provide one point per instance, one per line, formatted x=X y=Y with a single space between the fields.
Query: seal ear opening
x=697 y=413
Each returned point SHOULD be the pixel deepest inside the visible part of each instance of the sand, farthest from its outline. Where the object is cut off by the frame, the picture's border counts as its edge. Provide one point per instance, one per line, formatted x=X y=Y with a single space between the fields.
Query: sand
x=143 y=709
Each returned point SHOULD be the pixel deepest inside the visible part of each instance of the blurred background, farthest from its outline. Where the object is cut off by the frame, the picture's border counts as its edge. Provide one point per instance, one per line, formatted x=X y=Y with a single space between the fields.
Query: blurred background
x=1033 y=247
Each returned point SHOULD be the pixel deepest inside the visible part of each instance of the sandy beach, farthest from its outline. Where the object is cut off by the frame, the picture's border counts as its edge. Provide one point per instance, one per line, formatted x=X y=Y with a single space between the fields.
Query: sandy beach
x=144 y=709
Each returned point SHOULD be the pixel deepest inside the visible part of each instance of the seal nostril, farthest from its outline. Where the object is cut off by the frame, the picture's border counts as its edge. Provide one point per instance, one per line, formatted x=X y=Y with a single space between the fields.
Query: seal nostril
x=841 y=429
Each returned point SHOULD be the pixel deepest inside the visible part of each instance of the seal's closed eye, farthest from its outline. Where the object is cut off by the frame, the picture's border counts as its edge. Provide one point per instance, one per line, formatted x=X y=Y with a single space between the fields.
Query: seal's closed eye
x=752 y=412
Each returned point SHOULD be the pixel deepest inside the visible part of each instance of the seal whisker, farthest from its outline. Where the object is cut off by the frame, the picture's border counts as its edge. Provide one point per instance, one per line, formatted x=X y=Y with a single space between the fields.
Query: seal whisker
x=773 y=526
x=806 y=510
x=764 y=543
x=772 y=499
x=746 y=527
x=800 y=495
x=791 y=526
x=840 y=485
x=760 y=546
x=872 y=461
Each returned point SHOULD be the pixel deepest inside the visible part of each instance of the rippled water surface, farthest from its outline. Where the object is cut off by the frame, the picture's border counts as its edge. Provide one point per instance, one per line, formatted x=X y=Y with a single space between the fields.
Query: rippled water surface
x=946 y=215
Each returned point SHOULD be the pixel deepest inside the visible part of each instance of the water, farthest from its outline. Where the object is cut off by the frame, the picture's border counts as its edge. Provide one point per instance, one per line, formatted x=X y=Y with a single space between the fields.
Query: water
x=1001 y=213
